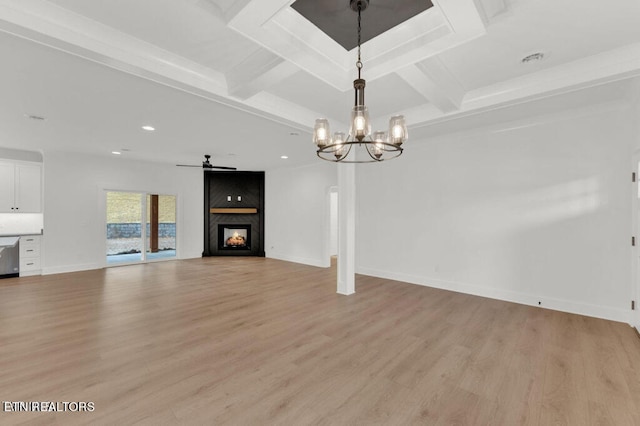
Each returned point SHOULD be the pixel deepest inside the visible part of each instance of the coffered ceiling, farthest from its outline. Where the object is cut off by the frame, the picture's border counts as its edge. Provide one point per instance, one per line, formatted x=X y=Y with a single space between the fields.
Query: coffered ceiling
x=244 y=80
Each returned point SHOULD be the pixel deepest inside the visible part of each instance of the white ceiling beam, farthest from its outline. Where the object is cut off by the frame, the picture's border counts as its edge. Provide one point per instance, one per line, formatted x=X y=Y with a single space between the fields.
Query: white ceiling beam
x=48 y=24
x=433 y=80
x=607 y=67
x=257 y=73
x=292 y=112
x=613 y=65
x=462 y=15
x=491 y=9
x=280 y=29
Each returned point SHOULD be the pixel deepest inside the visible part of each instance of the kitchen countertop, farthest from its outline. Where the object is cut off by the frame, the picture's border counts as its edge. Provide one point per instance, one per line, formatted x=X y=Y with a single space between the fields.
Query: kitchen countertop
x=8 y=241
x=21 y=235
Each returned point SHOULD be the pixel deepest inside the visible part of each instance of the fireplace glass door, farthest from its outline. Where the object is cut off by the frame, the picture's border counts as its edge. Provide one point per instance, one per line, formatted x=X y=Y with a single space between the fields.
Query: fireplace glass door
x=234 y=237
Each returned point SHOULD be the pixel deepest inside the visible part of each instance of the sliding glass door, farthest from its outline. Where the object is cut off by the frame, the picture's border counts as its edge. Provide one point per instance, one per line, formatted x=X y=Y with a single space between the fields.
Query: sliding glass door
x=140 y=227
x=161 y=226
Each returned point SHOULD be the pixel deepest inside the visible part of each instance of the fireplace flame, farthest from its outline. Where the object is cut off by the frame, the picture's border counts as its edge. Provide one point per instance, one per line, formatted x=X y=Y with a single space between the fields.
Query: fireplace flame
x=236 y=240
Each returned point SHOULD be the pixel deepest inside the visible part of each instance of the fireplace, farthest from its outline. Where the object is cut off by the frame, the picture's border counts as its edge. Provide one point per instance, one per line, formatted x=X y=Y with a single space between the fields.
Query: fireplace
x=233 y=208
x=234 y=237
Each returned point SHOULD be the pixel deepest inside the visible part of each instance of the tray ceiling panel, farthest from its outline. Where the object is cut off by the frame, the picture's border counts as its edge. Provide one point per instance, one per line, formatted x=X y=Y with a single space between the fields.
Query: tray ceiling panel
x=336 y=19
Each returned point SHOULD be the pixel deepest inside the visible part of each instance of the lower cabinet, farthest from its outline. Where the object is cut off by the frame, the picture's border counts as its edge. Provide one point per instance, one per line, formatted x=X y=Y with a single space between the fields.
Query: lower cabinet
x=30 y=255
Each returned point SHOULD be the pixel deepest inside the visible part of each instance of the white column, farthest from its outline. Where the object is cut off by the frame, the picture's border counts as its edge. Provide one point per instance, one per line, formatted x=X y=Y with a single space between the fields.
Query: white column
x=346 y=228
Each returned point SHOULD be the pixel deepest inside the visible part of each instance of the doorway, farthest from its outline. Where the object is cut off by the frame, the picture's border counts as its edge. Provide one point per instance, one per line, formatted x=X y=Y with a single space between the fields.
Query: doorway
x=140 y=227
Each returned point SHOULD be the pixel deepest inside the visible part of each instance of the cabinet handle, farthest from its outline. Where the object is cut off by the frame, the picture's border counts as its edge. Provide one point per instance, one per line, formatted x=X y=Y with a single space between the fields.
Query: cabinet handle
x=29 y=250
x=30 y=264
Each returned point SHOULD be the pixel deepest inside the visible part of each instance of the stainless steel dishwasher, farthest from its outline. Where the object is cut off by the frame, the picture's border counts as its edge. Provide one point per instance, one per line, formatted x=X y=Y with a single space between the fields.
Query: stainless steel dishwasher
x=9 y=257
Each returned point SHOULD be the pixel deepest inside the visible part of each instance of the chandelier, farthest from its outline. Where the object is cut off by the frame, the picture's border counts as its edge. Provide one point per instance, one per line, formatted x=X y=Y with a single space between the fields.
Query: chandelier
x=381 y=146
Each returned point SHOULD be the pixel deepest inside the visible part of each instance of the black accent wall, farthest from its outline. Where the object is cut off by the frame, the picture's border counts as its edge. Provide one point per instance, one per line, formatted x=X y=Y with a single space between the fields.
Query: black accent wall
x=218 y=186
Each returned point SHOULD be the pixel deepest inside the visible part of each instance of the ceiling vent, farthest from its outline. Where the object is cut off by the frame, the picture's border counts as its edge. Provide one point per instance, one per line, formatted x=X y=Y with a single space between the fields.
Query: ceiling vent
x=534 y=57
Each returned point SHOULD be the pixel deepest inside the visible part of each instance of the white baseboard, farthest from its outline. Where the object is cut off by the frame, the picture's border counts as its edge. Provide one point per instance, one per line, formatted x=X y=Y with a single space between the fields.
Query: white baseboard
x=188 y=256
x=89 y=266
x=296 y=259
x=604 y=312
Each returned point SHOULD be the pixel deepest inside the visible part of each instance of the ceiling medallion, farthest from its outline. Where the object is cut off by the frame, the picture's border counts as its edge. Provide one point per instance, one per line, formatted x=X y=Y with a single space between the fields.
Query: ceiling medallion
x=382 y=146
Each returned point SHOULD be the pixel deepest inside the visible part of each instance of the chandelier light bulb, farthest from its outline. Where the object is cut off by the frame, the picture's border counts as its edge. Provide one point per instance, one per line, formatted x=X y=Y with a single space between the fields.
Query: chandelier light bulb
x=397 y=130
x=360 y=124
x=321 y=133
x=338 y=141
x=378 y=147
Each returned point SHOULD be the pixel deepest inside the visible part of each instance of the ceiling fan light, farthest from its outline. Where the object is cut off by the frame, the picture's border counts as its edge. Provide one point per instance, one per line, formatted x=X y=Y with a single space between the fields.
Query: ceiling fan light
x=397 y=130
x=322 y=132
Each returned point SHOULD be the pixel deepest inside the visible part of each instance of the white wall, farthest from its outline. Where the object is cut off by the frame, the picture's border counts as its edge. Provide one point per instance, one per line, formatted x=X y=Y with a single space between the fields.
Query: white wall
x=333 y=222
x=74 y=205
x=297 y=213
x=537 y=211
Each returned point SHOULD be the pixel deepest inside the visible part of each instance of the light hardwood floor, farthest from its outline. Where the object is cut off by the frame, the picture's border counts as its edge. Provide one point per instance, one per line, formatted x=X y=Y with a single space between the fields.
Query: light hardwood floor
x=253 y=341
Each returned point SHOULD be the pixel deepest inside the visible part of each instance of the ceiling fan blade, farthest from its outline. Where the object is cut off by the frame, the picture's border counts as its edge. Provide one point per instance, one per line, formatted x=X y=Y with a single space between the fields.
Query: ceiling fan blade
x=206 y=165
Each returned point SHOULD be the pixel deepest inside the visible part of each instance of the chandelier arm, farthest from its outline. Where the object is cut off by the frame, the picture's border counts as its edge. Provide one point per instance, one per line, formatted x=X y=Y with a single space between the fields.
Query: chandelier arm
x=373 y=157
x=346 y=154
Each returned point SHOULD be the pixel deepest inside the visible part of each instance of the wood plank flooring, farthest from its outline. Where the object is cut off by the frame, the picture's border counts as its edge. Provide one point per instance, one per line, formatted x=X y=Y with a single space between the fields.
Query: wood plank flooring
x=254 y=341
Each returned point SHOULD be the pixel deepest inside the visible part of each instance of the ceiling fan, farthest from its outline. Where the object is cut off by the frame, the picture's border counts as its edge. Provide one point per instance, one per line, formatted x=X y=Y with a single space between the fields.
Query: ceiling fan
x=206 y=165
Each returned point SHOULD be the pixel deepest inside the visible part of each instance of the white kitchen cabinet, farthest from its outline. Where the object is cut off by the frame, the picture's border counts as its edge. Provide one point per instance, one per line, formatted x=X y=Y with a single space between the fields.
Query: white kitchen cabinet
x=7 y=186
x=20 y=187
x=30 y=255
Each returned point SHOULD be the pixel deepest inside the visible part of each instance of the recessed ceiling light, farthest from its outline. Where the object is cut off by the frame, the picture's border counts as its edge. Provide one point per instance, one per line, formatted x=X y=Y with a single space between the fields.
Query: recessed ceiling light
x=534 y=57
x=116 y=152
x=148 y=128
x=284 y=157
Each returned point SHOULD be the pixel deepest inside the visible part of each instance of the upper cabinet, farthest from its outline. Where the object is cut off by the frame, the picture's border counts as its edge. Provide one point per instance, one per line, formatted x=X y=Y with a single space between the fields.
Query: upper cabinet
x=20 y=187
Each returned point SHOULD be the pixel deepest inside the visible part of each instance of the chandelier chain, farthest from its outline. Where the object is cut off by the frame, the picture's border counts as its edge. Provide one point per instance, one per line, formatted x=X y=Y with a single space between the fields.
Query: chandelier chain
x=359 y=63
